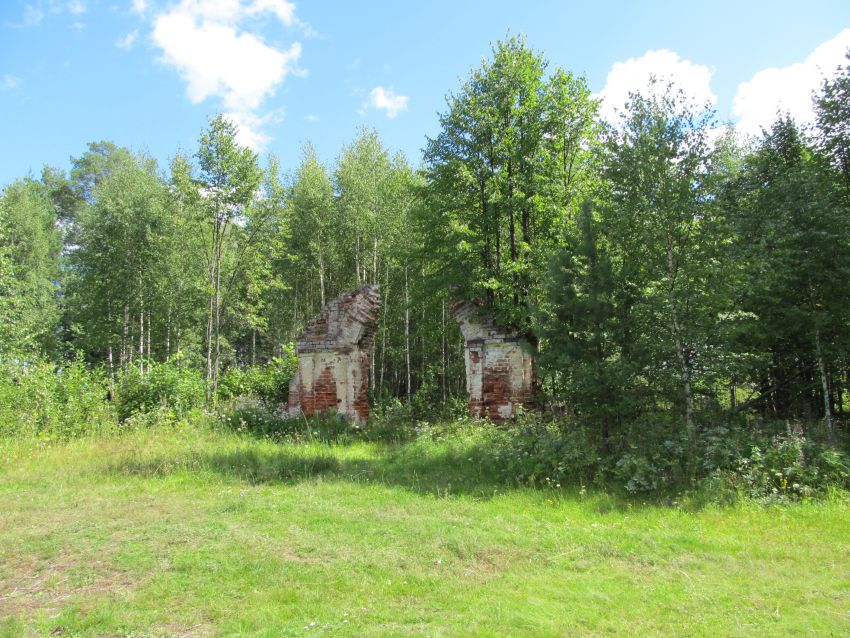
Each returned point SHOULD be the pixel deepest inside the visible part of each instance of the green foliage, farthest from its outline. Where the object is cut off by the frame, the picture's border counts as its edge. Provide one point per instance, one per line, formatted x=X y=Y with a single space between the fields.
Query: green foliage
x=229 y=178
x=546 y=453
x=832 y=108
x=580 y=329
x=505 y=173
x=649 y=457
x=664 y=246
x=228 y=170
x=784 y=468
x=30 y=245
x=267 y=383
x=39 y=400
x=791 y=254
x=169 y=386
x=261 y=420
x=125 y=230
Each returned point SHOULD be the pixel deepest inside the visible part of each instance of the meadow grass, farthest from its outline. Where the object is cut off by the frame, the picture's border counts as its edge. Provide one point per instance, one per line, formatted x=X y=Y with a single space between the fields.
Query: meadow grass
x=200 y=532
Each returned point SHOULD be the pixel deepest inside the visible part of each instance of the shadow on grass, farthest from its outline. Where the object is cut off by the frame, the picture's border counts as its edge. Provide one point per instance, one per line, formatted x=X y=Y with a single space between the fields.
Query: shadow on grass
x=444 y=472
x=460 y=470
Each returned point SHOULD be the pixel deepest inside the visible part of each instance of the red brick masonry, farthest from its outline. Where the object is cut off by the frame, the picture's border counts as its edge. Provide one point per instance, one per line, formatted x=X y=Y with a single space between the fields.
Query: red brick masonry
x=500 y=370
x=333 y=357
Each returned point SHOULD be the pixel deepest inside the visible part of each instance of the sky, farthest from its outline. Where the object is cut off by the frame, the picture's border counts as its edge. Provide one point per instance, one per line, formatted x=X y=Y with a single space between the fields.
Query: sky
x=148 y=74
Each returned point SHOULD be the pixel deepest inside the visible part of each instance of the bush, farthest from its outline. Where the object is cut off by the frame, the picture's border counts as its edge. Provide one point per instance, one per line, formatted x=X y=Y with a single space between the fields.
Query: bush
x=652 y=456
x=253 y=417
x=544 y=452
x=790 y=467
x=267 y=383
x=162 y=385
x=39 y=399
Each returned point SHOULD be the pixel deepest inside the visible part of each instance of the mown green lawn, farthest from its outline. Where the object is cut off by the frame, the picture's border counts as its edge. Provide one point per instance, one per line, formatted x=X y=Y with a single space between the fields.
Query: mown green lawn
x=203 y=533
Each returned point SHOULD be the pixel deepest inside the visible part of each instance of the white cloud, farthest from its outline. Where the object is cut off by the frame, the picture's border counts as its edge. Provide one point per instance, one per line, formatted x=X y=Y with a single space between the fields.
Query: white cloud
x=634 y=74
x=36 y=12
x=32 y=15
x=250 y=127
x=311 y=117
x=216 y=59
x=285 y=11
x=9 y=82
x=140 y=6
x=386 y=100
x=203 y=41
x=788 y=89
x=127 y=41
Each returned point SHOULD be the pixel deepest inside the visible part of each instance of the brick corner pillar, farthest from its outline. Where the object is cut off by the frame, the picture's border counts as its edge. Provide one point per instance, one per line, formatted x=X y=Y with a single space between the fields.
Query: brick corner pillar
x=333 y=357
x=500 y=366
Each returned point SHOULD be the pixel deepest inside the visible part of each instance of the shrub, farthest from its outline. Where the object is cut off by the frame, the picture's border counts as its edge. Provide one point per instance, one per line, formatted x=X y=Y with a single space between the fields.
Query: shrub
x=253 y=417
x=162 y=385
x=651 y=455
x=544 y=452
x=789 y=467
x=268 y=383
x=39 y=399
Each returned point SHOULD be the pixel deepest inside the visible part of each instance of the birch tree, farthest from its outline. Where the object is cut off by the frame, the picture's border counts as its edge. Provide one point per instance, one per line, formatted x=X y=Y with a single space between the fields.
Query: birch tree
x=229 y=177
x=657 y=218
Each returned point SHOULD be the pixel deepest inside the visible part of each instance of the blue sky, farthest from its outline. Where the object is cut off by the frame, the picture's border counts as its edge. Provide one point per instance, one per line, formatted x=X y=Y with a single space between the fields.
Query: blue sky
x=148 y=73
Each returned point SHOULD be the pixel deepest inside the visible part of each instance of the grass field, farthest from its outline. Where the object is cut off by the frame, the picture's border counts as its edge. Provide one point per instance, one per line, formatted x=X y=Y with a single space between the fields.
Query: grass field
x=197 y=532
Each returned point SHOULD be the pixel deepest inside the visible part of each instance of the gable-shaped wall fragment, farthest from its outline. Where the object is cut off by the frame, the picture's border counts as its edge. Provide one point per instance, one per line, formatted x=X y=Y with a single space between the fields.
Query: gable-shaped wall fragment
x=334 y=356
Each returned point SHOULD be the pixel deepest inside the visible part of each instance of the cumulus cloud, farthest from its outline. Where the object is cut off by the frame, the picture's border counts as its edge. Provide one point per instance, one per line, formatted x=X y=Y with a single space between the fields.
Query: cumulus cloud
x=77 y=7
x=140 y=6
x=285 y=11
x=633 y=75
x=9 y=82
x=388 y=101
x=788 y=89
x=33 y=15
x=204 y=42
x=127 y=41
x=250 y=127
x=311 y=117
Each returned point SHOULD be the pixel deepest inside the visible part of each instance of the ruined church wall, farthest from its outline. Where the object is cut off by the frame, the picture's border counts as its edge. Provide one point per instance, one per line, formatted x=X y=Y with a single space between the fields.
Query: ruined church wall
x=331 y=380
x=333 y=357
x=500 y=367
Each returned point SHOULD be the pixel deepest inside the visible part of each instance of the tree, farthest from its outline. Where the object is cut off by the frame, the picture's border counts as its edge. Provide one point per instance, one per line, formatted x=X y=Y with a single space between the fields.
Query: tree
x=580 y=328
x=657 y=216
x=502 y=176
x=10 y=339
x=228 y=180
x=793 y=248
x=119 y=267
x=267 y=232
x=31 y=247
x=312 y=209
x=832 y=108
x=360 y=181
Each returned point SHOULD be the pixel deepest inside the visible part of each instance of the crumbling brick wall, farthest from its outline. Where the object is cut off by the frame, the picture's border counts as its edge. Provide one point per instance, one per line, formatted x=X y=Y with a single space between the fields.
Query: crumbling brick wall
x=500 y=371
x=333 y=357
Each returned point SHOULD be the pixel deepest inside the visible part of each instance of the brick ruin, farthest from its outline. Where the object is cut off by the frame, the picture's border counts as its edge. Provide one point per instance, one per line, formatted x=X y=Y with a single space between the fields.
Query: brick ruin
x=500 y=372
x=333 y=357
